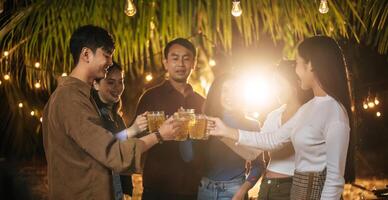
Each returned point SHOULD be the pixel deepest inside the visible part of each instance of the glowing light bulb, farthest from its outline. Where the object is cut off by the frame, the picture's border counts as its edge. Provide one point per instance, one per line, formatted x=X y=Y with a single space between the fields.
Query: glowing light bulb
x=20 y=105
x=377 y=102
x=365 y=105
x=130 y=8
x=149 y=77
x=378 y=114
x=236 y=9
x=37 y=85
x=5 y=53
x=371 y=104
x=41 y=119
x=323 y=7
x=212 y=63
x=1 y=82
x=37 y=65
x=64 y=74
x=7 y=77
x=32 y=113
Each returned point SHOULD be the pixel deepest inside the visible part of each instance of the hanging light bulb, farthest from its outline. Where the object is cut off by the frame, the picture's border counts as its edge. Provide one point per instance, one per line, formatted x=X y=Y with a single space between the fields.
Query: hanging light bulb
x=1 y=82
x=32 y=113
x=371 y=104
x=365 y=105
x=378 y=114
x=41 y=119
x=5 y=53
x=323 y=7
x=377 y=102
x=37 y=65
x=20 y=105
x=64 y=74
x=212 y=63
x=149 y=77
x=236 y=8
x=37 y=85
x=7 y=77
x=130 y=8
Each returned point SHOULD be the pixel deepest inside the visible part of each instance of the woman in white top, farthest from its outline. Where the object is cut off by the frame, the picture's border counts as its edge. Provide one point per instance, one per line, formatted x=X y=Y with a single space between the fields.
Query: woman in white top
x=321 y=132
x=277 y=181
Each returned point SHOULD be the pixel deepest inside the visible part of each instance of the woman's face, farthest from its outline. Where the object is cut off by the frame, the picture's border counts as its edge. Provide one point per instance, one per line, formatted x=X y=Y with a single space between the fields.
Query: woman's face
x=305 y=73
x=111 y=87
x=228 y=95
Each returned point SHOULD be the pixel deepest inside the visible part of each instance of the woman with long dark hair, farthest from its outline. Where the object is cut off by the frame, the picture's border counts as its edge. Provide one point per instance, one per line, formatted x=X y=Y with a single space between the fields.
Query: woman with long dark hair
x=321 y=133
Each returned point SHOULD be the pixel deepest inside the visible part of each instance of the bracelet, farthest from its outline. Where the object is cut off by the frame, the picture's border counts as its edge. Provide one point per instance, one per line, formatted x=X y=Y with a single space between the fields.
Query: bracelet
x=159 y=137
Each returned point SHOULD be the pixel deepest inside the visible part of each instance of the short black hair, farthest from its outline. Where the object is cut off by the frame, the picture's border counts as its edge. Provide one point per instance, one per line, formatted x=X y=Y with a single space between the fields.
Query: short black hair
x=92 y=37
x=183 y=42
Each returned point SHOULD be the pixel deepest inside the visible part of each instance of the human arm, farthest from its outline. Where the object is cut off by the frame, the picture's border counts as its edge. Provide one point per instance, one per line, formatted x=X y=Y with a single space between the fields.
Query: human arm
x=265 y=141
x=337 y=141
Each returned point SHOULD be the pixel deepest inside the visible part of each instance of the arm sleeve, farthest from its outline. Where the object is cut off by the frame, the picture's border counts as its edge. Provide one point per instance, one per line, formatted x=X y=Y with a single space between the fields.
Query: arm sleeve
x=337 y=141
x=82 y=123
x=122 y=135
x=265 y=141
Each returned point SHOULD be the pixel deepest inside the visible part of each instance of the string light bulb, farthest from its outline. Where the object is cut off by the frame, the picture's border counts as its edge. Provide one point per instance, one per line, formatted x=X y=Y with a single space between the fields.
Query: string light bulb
x=378 y=114
x=32 y=113
x=41 y=119
x=130 y=8
x=1 y=82
x=7 y=77
x=371 y=104
x=212 y=63
x=37 y=85
x=323 y=7
x=20 y=105
x=149 y=77
x=365 y=105
x=236 y=8
x=37 y=65
x=64 y=74
x=377 y=102
x=6 y=53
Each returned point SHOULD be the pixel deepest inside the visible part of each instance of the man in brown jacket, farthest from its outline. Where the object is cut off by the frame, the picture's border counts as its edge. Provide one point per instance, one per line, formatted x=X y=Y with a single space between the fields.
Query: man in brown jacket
x=80 y=153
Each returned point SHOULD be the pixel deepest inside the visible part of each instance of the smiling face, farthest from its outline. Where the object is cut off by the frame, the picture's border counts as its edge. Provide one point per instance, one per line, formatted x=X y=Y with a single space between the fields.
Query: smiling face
x=305 y=73
x=111 y=87
x=99 y=62
x=179 y=63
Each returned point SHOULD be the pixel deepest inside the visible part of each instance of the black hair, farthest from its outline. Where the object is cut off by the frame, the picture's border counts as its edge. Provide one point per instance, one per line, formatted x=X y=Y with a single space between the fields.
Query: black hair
x=329 y=65
x=115 y=67
x=183 y=42
x=286 y=69
x=92 y=37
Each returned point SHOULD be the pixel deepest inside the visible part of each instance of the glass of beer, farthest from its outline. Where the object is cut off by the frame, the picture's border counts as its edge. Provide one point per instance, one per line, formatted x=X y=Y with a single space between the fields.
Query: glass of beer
x=184 y=116
x=155 y=119
x=198 y=128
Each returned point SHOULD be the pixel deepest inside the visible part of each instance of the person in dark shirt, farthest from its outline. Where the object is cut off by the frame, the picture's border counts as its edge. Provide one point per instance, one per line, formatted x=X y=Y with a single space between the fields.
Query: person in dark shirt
x=168 y=174
x=107 y=93
x=225 y=172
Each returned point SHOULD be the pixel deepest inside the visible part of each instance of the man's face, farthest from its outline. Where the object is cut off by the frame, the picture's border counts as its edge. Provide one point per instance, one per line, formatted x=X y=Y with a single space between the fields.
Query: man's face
x=179 y=63
x=99 y=62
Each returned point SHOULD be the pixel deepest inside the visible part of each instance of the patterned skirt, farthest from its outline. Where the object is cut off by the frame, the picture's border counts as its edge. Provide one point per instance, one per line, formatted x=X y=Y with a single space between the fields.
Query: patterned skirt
x=308 y=185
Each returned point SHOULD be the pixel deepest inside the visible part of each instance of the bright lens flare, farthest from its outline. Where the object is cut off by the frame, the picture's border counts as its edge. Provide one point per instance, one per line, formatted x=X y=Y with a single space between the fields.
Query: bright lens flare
x=257 y=92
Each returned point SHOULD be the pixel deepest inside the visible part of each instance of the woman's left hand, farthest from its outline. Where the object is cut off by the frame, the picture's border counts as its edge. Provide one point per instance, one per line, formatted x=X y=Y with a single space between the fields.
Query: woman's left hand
x=216 y=127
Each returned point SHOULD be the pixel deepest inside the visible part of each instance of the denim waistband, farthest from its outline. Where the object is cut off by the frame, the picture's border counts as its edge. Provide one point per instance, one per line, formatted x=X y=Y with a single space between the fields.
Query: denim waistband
x=222 y=184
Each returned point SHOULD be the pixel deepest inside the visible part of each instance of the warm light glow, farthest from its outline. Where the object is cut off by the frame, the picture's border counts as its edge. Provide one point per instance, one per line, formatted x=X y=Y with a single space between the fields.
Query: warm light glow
x=1 y=82
x=377 y=101
x=130 y=8
x=41 y=119
x=37 y=65
x=378 y=114
x=152 y=25
x=212 y=63
x=371 y=104
x=365 y=105
x=204 y=84
x=236 y=9
x=5 y=53
x=323 y=7
x=37 y=85
x=149 y=77
x=32 y=113
x=7 y=77
x=257 y=91
x=64 y=74
x=20 y=105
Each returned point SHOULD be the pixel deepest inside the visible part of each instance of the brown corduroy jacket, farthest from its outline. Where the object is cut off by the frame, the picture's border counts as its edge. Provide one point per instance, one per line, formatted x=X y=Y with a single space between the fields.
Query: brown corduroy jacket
x=80 y=153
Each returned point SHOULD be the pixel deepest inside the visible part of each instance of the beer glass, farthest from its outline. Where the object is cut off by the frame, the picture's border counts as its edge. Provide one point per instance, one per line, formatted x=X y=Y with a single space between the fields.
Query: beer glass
x=198 y=128
x=155 y=119
x=184 y=116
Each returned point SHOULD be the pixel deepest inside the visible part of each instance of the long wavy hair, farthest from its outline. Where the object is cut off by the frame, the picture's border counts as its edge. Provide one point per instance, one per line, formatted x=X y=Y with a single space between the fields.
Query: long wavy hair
x=329 y=66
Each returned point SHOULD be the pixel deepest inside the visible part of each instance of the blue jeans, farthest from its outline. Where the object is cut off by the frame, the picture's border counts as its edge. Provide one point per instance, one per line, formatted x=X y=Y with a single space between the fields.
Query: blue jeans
x=219 y=190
